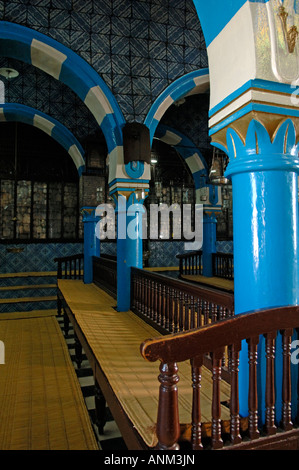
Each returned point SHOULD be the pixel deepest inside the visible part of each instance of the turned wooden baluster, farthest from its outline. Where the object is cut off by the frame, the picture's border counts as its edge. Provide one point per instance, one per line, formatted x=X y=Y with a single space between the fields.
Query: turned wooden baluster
x=159 y=320
x=167 y=307
x=199 y=313
x=196 y=364
x=137 y=281
x=234 y=397
x=181 y=310
x=171 y=309
x=286 y=380
x=217 y=442
x=270 y=383
x=163 y=306
x=214 y=312
x=252 y=396
x=192 y=312
x=206 y=312
x=176 y=311
x=145 y=299
x=142 y=295
x=168 y=425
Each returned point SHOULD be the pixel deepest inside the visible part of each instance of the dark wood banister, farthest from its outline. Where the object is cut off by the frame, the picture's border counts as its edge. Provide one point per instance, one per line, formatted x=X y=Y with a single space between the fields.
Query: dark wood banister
x=179 y=347
x=153 y=295
x=193 y=344
x=73 y=266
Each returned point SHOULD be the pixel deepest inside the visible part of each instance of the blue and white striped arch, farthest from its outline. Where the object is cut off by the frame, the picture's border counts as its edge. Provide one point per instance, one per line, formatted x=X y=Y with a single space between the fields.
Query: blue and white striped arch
x=47 y=54
x=190 y=84
x=196 y=164
x=20 y=113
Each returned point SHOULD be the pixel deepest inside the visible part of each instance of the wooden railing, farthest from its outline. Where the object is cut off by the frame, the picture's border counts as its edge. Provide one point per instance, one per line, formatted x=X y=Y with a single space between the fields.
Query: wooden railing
x=190 y=263
x=192 y=345
x=70 y=267
x=223 y=265
x=173 y=305
x=105 y=273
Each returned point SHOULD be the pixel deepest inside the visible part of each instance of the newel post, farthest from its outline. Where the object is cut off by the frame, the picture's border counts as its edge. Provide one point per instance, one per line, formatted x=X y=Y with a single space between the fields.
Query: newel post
x=168 y=425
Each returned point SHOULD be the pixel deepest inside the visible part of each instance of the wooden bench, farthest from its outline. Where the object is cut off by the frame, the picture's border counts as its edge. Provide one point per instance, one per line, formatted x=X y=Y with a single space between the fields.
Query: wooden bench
x=194 y=412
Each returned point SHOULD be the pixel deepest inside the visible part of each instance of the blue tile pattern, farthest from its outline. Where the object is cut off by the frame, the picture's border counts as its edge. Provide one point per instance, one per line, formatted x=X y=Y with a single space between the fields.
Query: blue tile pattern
x=225 y=246
x=35 y=257
x=137 y=47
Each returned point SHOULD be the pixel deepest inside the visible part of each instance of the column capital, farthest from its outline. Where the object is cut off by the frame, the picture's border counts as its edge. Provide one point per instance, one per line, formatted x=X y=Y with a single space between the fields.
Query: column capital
x=89 y=214
x=131 y=195
x=258 y=150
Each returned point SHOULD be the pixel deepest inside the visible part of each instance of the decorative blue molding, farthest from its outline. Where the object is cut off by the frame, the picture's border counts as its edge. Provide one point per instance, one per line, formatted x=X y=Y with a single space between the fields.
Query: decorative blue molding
x=21 y=113
x=259 y=153
x=258 y=84
x=175 y=91
x=135 y=169
x=193 y=158
x=20 y=42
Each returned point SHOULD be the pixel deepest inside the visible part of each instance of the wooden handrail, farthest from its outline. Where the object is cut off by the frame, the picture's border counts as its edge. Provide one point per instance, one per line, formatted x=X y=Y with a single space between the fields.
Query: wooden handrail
x=105 y=273
x=190 y=263
x=70 y=267
x=179 y=347
x=173 y=305
x=223 y=265
x=192 y=345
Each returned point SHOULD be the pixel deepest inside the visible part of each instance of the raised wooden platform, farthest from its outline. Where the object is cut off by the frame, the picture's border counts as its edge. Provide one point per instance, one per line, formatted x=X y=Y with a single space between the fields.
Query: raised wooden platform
x=41 y=403
x=111 y=341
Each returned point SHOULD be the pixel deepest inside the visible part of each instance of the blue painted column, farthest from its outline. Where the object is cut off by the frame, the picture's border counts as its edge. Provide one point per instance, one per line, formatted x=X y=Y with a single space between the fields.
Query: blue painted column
x=129 y=246
x=91 y=242
x=265 y=214
x=209 y=243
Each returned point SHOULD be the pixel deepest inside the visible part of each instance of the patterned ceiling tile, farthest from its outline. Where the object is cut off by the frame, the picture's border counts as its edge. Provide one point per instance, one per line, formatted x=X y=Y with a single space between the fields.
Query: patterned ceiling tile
x=159 y=14
x=135 y=45
x=103 y=8
x=81 y=6
x=38 y=16
x=121 y=64
x=140 y=66
x=15 y=12
x=140 y=29
x=79 y=41
x=121 y=27
x=101 y=24
x=141 y=10
x=100 y=43
x=122 y=9
x=175 y=35
x=62 y=4
x=102 y=63
x=80 y=21
x=58 y=19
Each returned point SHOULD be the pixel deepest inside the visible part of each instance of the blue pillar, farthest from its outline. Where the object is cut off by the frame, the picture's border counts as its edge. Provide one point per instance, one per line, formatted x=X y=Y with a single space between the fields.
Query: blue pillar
x=265 y=213
x=129 y=246
x=91 y=242
x=209 y=243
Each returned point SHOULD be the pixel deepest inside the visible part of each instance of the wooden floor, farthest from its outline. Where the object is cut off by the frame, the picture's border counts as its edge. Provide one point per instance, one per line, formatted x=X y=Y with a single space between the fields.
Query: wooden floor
x=224 y=284
x=41 y=403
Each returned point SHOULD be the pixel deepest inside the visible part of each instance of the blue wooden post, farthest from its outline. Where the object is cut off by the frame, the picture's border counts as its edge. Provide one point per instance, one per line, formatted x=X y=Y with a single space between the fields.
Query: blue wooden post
x=91 y=242
x=209 y=243
x=129 y=246
x=265 y=212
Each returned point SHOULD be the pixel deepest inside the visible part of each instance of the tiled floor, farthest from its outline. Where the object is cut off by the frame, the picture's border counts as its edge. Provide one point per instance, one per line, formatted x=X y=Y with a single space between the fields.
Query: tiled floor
x=111 y=440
